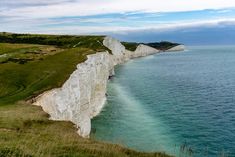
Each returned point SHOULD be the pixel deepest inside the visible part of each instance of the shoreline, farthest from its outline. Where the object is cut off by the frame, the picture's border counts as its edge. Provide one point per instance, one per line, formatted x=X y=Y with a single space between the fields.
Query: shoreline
x=83 y=95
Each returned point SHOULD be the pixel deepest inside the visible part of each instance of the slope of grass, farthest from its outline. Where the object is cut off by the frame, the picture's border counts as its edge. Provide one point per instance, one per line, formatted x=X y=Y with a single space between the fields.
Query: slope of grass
x=131 y=46
x=17 y=52
x=64 y=41
x=26 y=131
x=22 y=81
x=27 y=70
x=163 y=45
x=7 y=48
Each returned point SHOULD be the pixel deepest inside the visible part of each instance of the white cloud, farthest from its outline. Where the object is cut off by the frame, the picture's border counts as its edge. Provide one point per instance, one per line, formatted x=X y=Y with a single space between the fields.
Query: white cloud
x=12 y=3
x=35 y=27
x=94 y=7
x=35 y=15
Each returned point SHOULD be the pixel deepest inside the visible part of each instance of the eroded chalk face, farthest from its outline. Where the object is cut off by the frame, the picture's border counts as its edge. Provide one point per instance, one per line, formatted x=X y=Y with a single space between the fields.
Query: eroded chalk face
x=84 y=126
x=83 y=95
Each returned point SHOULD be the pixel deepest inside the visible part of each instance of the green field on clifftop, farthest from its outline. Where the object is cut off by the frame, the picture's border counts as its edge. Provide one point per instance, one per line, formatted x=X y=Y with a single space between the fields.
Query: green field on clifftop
x=29 y=65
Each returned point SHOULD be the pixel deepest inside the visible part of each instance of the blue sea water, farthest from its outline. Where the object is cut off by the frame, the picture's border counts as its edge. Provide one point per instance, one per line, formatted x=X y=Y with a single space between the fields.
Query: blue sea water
x=176 y=102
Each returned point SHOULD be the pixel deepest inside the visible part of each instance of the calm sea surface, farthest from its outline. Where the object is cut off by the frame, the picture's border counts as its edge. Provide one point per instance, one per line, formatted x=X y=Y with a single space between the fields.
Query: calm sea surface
x=177 y=102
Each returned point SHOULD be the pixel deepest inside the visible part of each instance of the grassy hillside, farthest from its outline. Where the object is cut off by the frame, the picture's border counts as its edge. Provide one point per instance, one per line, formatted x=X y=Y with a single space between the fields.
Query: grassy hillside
x=26 y=131
x=131 y=46
x=29 y=65
x=65 y=41
x=29 y=70
x=163 y=45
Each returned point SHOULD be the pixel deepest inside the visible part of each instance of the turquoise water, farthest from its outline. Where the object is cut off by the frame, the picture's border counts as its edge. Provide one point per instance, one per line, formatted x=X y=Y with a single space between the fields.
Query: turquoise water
x=178 y=102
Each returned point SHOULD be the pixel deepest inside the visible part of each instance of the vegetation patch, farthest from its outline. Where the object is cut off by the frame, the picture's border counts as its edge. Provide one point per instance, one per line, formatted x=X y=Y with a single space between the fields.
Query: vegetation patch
x=163 y=45
x=24 y=75
x=17 y=60
x=33 y=134
x=12 y=152
x=23 y=53
x=64 y=41
x=131 y=46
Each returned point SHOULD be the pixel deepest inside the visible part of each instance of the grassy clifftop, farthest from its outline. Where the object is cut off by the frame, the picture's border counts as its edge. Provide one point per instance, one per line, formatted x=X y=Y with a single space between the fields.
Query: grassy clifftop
x=27 y=70
x=29 y=65
x=65 y=41
x=163 y=45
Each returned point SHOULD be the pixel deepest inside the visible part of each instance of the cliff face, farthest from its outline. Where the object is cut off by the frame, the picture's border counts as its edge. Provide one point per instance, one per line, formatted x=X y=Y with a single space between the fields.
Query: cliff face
x=121 y=55
x=83 y=95
x=177 y=48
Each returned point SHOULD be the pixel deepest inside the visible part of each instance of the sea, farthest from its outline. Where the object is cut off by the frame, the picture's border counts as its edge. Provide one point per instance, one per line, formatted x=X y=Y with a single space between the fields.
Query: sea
x=181 y=103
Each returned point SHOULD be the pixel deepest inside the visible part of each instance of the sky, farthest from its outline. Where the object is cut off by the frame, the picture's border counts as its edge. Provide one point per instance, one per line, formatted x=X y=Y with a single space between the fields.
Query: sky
x=133 y=20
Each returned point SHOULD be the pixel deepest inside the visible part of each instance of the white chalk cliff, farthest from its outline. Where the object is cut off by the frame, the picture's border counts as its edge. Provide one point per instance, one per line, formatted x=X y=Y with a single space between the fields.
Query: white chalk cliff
x=176 y=48
x=83 y=95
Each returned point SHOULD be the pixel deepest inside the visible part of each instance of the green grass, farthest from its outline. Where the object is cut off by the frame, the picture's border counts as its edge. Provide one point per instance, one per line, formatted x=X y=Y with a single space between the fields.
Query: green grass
x=22 y=81
x=11 y=52
x=7 y=48
x=65 y=41
x=131 y=46
x=26 y=131
x=163 y=45
x=27 y=70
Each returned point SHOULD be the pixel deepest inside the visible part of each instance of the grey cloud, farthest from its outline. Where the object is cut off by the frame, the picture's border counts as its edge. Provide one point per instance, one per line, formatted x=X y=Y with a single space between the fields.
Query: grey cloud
x=10 y=4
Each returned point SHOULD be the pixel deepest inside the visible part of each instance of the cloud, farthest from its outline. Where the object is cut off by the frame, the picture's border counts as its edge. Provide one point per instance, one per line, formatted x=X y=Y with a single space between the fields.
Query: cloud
x=221 y=33
x=101 y=16
x=58 y=8
x=24 y=3
x=179 y=26
x=67 y=27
